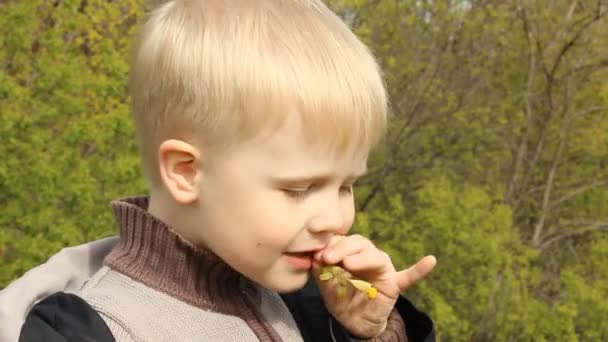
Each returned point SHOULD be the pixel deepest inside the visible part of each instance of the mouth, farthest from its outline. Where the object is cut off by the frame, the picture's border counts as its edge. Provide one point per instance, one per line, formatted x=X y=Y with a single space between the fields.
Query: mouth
x=311 y=251
x=301 y=254
x=300 y=260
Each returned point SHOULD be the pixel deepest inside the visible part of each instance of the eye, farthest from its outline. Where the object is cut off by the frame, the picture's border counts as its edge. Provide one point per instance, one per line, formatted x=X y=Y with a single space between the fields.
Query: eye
x=301 y=193
x=296 y=193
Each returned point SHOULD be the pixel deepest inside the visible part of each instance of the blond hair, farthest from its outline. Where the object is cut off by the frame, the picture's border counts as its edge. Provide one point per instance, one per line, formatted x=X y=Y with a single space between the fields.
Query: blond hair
x=218 y=72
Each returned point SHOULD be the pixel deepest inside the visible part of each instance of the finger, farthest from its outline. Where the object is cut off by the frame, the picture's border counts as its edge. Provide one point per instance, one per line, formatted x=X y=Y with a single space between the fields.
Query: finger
x=421 y=269
x=315 y=269
x=332 y=241
x=349 y=245
x=327 y=287
x=371 y=261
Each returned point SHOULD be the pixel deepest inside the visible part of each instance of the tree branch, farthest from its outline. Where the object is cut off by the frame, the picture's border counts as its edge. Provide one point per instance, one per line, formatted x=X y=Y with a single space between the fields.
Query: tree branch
x=576 y=192
x=570 y=42
x=596 y=226
x=523 y=144
x=590 y=111
x=594 y=66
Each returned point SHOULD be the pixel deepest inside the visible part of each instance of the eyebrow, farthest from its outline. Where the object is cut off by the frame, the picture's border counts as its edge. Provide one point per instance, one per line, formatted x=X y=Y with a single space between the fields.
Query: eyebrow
x=317 y=178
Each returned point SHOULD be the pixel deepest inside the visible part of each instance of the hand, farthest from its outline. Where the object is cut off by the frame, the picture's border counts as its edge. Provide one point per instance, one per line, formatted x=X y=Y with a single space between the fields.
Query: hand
x=361 y=316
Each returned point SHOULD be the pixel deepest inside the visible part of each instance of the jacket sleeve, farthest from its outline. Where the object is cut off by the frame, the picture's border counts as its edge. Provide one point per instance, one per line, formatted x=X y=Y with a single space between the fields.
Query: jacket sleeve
x=65 y=271
x=406 y=323
x=418 y=325
x=64 y=317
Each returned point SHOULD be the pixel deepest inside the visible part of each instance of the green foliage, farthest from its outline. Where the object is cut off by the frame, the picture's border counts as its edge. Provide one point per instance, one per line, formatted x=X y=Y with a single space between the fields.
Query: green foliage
x=468 y=231
x=585 y=282
x=65 y=117
x=507 y=100
x=495 y=160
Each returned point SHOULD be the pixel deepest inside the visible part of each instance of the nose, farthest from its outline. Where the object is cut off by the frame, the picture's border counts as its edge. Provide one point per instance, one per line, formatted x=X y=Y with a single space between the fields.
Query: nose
x=330 y=217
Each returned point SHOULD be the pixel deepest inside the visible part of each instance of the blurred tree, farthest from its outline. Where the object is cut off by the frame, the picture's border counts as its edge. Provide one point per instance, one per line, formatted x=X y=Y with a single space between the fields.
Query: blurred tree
x=64 y=121
x=509 y=98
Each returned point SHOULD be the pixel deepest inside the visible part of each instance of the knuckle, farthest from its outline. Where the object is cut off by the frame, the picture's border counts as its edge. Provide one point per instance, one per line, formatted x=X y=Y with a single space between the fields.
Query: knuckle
x=357 y=237
x=361 y=239
x=348 y=262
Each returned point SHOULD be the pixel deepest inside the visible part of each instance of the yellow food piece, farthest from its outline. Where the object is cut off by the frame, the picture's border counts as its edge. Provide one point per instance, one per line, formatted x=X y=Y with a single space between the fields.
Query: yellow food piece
x=341 y=291
x=360 y=285
x=342 y=278
x=326 y=276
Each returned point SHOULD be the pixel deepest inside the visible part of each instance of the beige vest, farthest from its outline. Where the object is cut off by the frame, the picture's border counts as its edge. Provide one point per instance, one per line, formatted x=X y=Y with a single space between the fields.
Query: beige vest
x=135 y=312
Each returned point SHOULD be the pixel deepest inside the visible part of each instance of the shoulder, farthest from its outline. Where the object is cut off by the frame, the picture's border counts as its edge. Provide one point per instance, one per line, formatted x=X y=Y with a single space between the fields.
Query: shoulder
x=63 y=317
x=316 y=324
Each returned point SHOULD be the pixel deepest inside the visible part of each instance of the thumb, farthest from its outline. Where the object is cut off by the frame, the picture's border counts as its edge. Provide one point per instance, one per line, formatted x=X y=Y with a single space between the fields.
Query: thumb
x=421 y=269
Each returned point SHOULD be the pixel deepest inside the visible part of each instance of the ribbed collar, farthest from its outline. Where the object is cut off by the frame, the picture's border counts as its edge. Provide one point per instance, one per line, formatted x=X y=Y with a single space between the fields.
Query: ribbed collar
x=152 y=253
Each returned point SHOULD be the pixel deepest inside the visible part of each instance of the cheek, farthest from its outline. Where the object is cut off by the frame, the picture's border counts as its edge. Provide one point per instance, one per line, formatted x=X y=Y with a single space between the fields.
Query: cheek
x=349 y=217
x=273 y=226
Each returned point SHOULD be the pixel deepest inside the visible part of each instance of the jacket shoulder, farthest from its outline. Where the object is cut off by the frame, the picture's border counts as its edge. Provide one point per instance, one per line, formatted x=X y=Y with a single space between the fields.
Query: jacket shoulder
x=64 y=317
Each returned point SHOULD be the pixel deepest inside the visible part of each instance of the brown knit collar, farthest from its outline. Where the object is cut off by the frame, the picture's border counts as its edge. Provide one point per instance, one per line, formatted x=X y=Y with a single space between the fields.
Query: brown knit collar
x=150 y=252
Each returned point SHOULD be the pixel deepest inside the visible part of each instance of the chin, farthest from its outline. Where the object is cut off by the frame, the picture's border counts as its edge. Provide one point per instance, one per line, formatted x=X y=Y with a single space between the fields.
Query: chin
x=292 y=284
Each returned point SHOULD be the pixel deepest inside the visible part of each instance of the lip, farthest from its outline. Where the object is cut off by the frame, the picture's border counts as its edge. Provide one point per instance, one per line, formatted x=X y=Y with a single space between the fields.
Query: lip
x=302 y=261
x=305 y=251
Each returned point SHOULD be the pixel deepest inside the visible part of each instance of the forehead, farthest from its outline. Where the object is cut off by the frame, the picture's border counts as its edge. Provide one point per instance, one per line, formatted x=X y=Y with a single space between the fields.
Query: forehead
x=290 y=145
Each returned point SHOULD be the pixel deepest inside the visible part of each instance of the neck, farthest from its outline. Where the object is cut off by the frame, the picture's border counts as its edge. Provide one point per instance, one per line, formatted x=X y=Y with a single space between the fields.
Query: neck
x=151 y=252
x=166 y=210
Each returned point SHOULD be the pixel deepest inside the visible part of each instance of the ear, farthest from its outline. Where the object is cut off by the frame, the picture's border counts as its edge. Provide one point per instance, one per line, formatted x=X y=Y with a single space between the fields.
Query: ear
x=180 y=169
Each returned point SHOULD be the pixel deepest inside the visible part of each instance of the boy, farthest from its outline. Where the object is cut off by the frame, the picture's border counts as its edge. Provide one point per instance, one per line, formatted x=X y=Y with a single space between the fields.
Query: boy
x=254 y=119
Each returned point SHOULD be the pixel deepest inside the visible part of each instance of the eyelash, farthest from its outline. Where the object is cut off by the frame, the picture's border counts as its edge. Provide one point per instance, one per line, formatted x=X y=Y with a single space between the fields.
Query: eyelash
x=300 y=194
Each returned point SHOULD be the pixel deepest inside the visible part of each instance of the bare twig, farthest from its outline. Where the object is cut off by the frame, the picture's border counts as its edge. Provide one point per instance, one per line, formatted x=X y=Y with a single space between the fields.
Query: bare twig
x=590 y=111
x=538 y=228
x=596 y=226
x=523 y=144
x=576 y=192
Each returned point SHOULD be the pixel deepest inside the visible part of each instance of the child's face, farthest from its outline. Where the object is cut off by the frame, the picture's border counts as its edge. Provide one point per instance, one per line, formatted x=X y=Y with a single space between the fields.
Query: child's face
x=255 y=213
